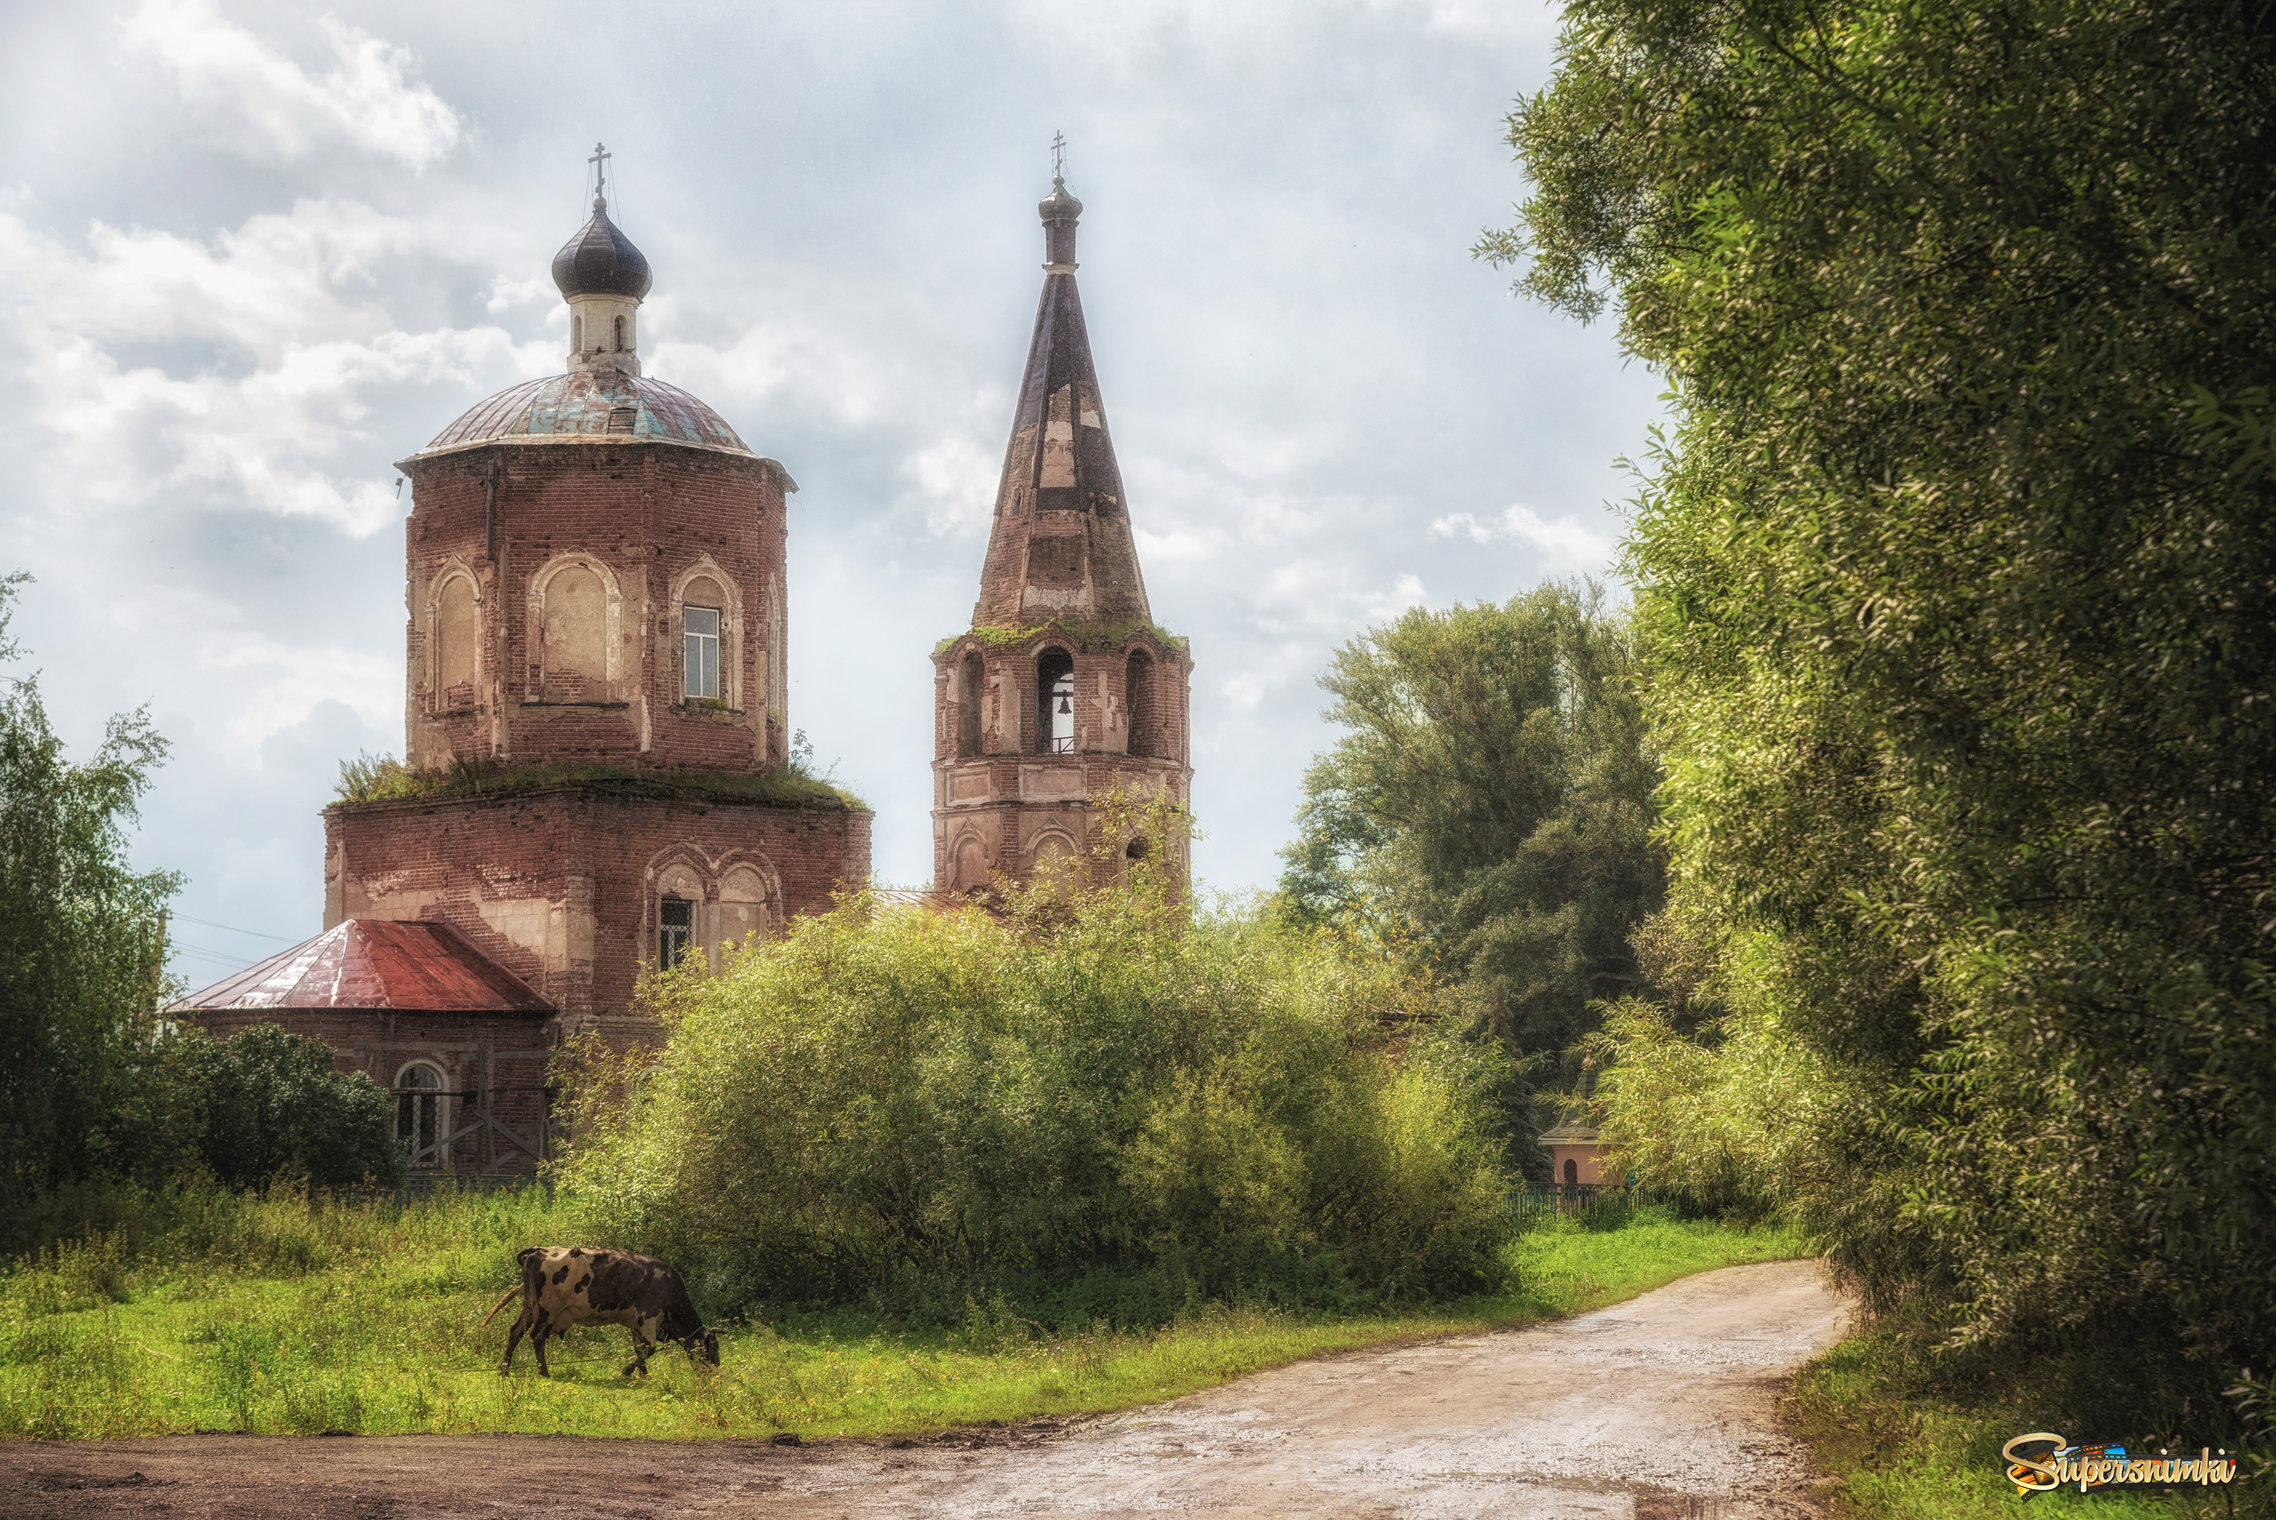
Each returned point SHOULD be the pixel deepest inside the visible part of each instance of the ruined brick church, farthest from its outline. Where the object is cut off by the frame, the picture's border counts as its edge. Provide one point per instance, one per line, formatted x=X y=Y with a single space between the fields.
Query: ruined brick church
x=596 y=714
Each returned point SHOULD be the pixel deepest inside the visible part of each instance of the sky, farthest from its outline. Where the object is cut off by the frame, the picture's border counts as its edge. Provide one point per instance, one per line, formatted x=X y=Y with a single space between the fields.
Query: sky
x=251 y=254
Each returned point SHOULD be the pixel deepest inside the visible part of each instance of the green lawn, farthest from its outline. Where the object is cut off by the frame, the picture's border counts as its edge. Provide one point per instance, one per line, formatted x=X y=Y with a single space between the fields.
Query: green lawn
x=274 y=1317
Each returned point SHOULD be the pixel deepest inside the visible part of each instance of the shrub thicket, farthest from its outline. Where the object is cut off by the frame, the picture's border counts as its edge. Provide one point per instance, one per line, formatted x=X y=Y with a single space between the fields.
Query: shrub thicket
x=268 y=1106
x=1099 y=1105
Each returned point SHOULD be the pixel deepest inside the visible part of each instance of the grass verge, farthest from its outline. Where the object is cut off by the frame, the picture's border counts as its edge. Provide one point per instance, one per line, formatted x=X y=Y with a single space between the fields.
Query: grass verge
x=282 y=1318
x=1913 y=1442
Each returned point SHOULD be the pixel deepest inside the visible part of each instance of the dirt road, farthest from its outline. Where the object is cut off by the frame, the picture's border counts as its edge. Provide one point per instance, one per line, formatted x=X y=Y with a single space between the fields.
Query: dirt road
x=1658 y=1408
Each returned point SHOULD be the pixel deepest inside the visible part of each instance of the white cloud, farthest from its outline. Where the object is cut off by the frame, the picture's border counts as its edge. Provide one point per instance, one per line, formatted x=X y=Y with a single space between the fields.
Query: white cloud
x=275 y=105
x=953 y=479
x=1562 y=538
x=283 y=291
x=280 y=684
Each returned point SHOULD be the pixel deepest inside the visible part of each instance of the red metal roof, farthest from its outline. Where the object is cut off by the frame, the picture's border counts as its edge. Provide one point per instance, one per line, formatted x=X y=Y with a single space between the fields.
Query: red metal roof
x=377 y=964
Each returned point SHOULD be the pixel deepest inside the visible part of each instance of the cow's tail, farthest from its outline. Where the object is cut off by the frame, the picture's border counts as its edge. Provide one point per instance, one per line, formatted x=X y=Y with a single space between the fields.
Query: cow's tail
x=512 y=1293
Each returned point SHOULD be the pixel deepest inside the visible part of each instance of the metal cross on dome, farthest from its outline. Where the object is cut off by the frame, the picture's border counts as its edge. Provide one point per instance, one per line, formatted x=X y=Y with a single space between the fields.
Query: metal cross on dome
x=1058 y=156
x=600 y=163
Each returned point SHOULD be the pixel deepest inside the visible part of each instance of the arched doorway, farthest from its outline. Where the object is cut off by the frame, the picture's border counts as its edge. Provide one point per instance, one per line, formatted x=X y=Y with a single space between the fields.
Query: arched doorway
x=422 y=1113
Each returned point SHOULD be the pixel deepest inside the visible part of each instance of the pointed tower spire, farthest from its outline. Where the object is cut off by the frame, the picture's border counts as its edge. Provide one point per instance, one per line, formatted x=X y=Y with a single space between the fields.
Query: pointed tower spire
x=1062 y=545
x=1063 y=691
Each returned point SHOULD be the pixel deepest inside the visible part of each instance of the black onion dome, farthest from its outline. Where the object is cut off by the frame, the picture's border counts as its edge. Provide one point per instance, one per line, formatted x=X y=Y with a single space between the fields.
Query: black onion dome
x=1058 y=206
x=601 y=261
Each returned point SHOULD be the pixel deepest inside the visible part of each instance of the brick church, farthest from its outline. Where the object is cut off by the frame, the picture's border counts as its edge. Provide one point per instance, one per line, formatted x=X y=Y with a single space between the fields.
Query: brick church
x=595 y=717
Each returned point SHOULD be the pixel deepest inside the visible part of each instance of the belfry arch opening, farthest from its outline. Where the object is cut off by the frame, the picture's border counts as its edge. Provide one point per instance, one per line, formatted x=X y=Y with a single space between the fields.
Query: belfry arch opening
x=1055 y=702
x=969 y=681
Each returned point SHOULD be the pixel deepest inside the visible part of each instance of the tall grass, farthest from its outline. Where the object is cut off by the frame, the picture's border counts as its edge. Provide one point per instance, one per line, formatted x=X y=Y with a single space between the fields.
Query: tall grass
x=284 y=1317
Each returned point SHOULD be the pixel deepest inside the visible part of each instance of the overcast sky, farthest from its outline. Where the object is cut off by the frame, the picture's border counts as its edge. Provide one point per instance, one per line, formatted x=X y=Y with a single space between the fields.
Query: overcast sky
x=254 y=253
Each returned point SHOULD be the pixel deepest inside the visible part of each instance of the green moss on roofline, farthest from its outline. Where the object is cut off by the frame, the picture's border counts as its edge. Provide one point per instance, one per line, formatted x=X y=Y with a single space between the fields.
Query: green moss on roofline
x=369 y=779
x=1083 y=635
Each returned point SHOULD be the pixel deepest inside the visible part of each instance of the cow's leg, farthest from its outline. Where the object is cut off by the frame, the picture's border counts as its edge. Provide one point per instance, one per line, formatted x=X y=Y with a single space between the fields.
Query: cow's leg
x=537 y=1345
x=513 y=1339
x=642 y=1344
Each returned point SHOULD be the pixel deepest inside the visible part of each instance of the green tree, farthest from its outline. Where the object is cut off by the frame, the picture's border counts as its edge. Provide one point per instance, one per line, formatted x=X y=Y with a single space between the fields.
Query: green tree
x=1491 y=797
x=1958 y=589
x=79 y=972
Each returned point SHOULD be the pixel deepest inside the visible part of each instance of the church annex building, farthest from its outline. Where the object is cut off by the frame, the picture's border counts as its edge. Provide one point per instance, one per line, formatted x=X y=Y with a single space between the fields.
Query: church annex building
x=595 y=717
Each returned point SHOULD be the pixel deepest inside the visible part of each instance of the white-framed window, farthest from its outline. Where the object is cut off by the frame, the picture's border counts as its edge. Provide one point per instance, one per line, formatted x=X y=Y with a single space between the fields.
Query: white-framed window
x=700 y=655
x=675 y=930
x=422 y=1112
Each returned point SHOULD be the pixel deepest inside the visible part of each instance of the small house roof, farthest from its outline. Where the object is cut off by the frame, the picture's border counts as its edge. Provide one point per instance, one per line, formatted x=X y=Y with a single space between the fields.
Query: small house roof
x=1570 y=1134
x=369 y=963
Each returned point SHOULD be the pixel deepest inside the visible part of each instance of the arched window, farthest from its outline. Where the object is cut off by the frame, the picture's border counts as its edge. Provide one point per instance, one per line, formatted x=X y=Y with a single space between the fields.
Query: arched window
x=576 y=333
x=675 y=929
x=1055 y=702
x=969 y=678
x=1572 y=1173
x=1138 y=702
x=457 y=660
x=742 y=907
x=620 y=335
x=968 y=872
x=421 y=1114
x=574 y=635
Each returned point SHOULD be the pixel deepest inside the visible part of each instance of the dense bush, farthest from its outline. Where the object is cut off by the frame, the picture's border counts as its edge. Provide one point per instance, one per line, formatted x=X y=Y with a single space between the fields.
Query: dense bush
x=1958 y=590
x=268 y=1106
x=1108 y=1106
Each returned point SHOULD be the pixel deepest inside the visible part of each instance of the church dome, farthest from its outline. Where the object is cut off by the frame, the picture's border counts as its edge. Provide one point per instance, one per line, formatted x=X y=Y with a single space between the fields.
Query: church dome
x=601 y=261
x=591 y=404
x=1059 y=206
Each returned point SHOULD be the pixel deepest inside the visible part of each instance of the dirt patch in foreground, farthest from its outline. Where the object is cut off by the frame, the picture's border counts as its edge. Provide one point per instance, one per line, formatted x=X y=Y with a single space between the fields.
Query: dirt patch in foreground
x=1661 y=1408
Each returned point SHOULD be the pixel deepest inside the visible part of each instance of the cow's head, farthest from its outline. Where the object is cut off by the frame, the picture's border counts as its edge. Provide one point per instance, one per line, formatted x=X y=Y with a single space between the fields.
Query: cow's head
x=705 y=1341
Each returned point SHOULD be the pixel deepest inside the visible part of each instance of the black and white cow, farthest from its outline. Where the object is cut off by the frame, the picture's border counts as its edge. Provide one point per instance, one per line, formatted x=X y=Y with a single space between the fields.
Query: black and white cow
x=578 y=1285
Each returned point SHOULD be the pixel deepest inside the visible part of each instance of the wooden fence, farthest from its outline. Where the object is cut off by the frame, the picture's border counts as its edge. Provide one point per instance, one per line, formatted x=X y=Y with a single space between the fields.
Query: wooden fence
x=1608 y=1202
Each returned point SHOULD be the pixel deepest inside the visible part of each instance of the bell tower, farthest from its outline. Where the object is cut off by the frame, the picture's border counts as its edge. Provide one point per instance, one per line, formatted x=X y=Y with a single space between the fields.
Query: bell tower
x=1063 y=690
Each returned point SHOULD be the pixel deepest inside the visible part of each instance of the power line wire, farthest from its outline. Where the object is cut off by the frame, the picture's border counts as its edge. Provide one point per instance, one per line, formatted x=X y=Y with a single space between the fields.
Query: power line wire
x=207 y=923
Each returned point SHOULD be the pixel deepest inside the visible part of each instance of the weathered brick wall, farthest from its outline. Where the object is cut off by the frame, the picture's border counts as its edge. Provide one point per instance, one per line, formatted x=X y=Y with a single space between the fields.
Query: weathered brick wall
x=642 y=515
x=502 y=1055
x=561 y=885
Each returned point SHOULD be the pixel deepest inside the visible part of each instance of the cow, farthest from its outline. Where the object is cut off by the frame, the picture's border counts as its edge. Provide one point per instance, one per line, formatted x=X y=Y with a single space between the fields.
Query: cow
x=580 y=1285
